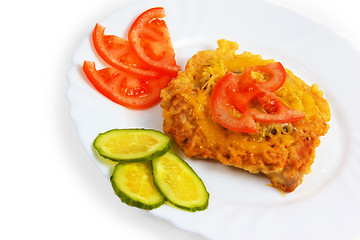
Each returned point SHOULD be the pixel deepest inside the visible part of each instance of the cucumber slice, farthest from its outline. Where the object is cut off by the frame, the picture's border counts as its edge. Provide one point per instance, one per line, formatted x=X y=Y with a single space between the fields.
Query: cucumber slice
x=133 y=184
x=132 y=145
x=178 y=182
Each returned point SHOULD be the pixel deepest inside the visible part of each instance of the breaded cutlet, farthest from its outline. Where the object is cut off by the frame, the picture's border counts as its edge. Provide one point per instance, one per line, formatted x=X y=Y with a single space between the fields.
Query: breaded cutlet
x=284 y=152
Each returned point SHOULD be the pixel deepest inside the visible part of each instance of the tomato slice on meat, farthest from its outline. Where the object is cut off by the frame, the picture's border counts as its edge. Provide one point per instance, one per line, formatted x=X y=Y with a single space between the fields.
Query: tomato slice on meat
x=124 y=88
x=276 y=75
x=150 y=39
x=117 y=53
x=224 y=111
x=232 y=96
x=275 y=110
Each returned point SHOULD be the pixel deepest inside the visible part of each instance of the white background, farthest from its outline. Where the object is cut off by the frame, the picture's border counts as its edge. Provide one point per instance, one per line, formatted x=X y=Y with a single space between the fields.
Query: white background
x=49 y=187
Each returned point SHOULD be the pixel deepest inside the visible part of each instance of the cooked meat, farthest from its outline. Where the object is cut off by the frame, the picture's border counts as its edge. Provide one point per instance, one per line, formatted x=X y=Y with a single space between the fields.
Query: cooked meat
x=283 y=152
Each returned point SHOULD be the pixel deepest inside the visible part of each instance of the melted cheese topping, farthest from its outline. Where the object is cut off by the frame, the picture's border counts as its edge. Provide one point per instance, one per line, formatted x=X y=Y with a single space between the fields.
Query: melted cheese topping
x=277 y=148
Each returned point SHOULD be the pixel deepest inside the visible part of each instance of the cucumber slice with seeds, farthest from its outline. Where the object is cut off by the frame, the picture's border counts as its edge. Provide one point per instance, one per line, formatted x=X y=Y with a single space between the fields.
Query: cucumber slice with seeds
x=178 y=182
x=133 y=184
x=132 y=145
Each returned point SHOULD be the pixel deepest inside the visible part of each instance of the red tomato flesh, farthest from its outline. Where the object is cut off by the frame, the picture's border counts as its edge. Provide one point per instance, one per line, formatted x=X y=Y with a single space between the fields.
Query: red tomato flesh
x=124 y=88
x=232 y=95
x=150 y=39
x=116 y=52
x=224 y=111
x=275 y=110
x=276 y=75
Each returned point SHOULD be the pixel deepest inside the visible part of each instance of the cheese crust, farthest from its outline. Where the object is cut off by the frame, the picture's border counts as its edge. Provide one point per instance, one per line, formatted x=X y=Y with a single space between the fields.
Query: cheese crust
x=282 y=152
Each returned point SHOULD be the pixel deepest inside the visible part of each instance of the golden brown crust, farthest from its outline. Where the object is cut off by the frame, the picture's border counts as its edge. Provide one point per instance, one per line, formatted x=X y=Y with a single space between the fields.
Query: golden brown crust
x=283 y=152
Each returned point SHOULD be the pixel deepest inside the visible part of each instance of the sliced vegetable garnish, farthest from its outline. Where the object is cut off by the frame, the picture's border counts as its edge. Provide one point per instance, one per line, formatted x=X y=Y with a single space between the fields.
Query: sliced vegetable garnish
x=116 y=52
x=124 y=88
x=150 y=39
x=132 y=145
x=133 y=184
x=224 y=111
x=274 y=72
x=232 y=95
x=178 y=182
x=141 y=68
x=147 y=173
x=275 y=110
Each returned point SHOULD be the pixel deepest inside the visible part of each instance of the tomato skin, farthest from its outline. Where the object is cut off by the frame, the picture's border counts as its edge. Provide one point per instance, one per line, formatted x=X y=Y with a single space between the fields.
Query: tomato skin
x=232 y=95
x=276 y=110
x=116 y=52
x=139 y=68
x=223 y=110
x=277 y=75
x=124 y=88
x=150 y=39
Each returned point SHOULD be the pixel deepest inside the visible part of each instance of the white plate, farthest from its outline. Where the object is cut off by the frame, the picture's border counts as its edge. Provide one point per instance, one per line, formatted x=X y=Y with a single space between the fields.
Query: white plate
x=326 y=205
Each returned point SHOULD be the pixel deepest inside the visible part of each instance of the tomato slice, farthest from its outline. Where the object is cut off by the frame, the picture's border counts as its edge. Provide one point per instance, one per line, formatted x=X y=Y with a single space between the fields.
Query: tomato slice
x=117 y=53
x=124 y=88
x=150 y=39
x=275 y=73
x=223 y=110
x=275 y=110
x=232 y=95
